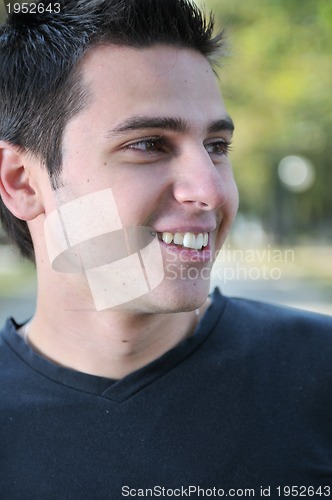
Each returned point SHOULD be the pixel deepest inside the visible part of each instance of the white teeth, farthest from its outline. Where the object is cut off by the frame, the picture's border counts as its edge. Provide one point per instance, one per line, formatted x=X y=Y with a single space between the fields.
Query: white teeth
x=167 y=238
x=188 y=240
x=205 y=239
x=178 y=239
x=199 y=241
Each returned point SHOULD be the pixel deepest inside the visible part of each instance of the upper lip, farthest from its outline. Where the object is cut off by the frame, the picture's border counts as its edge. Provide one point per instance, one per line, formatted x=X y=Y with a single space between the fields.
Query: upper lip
x=187 y=229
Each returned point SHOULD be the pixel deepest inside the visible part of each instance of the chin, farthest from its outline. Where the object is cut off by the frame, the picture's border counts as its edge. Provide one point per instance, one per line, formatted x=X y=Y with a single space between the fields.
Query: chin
x=178 y=296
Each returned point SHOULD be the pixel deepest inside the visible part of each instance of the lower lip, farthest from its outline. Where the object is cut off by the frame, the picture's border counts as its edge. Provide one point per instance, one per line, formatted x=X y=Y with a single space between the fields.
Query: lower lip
x=188 y=254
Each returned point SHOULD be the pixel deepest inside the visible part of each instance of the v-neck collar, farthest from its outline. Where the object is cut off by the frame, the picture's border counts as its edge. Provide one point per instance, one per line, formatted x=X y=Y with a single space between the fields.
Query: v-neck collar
x=117 y=390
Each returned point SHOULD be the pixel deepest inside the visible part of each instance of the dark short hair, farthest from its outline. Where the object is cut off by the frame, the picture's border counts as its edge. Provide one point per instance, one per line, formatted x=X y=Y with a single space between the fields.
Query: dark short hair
x=41 y=87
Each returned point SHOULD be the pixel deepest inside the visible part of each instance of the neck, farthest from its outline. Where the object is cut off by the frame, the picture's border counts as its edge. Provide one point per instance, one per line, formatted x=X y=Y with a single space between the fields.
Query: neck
x=107 y=344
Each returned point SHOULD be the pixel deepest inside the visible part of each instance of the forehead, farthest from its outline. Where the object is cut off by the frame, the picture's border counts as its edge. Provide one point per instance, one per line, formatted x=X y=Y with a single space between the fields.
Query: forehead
x=157 y=62
x=126 y=81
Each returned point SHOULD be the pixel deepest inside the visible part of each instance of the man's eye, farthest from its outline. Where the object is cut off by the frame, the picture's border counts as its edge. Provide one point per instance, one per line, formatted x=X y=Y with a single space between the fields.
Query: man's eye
x=152 y=145
x=218 y=148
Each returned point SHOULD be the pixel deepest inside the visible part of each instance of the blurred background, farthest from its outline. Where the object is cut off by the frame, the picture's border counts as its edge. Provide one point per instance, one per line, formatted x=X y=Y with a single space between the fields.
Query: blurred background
x=277 y=85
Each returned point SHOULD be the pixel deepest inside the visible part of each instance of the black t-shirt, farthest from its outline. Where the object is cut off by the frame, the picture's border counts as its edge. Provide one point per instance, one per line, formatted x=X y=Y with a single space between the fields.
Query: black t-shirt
x=243 y=404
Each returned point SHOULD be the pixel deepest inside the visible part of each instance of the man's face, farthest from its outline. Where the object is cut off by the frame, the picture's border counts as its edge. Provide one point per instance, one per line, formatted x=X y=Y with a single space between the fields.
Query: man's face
x=155 y=132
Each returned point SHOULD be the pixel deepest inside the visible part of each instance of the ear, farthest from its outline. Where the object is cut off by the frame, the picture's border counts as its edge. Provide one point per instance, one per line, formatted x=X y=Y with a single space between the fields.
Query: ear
x=18 y=188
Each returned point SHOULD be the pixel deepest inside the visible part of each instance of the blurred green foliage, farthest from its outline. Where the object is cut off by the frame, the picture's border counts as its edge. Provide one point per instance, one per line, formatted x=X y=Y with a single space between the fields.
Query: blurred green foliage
x=2 y=11
x=277 y=87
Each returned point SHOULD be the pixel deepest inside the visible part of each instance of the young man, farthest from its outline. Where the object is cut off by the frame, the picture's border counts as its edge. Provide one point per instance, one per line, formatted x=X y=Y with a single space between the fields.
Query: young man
x=115 y=178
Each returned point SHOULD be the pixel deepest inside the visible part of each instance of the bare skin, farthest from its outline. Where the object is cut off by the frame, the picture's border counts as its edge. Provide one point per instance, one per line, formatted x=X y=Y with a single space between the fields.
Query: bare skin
x=185 y=183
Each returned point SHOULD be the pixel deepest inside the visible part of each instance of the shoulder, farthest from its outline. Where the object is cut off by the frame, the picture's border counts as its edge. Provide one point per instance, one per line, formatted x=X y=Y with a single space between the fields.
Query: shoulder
x=278 y=350
x=270 y=329
x=13 y=350
x=263 y=315
x=274 y=318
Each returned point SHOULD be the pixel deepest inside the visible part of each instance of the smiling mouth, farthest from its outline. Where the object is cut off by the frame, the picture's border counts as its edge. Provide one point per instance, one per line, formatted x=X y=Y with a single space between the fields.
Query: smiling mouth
x=186 y=240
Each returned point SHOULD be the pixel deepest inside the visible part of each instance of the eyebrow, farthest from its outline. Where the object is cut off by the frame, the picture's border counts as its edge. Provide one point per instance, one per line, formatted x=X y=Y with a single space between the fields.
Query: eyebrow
x=167 y=123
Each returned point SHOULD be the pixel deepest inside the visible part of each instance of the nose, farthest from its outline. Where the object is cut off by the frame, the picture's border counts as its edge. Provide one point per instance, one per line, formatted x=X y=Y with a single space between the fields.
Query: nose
x=200 y=184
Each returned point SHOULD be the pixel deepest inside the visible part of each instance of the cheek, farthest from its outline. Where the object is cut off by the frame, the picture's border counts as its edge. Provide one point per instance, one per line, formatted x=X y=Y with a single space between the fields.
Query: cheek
x=234 y=199
x=228 y=210
x=137 y=195
x=231 y=204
